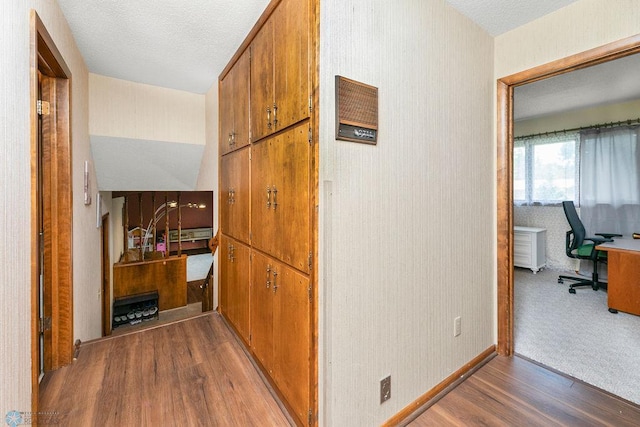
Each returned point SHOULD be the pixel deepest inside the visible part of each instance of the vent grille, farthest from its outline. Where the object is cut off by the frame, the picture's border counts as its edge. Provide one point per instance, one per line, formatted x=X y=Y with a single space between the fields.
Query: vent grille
x=356 y=111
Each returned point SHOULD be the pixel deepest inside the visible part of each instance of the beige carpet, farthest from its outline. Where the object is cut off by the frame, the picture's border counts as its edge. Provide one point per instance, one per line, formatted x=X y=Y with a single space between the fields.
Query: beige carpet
x=576 y=334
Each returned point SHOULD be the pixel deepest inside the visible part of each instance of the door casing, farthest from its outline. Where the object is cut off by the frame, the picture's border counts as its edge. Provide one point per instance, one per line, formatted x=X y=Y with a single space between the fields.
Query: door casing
x=105 y=275
x=46 y=59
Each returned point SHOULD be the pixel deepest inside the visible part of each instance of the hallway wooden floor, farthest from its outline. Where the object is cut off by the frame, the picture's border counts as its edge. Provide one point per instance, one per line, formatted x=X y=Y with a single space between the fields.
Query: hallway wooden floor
x=188 y=373
x=512 y=391
x=194 y=373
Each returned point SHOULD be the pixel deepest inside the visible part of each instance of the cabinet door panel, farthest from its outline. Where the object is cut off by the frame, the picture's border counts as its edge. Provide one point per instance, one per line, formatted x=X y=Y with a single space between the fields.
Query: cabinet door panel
x=234 y=106
x=280 y=209
x=234 y=194
x=264 y=235
x=262 y=309
x=291 y=59
x=262 y=82
x=292 y=338
x=225 y=105
x=238 y=287
x=291 y=169
x=241 y=101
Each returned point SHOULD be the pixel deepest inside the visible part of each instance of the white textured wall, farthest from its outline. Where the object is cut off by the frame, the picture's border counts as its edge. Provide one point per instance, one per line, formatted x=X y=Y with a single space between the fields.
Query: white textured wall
x=15 y=199
x=127 y=109
x=407 y=239
x=208 y=176
x=581 y=26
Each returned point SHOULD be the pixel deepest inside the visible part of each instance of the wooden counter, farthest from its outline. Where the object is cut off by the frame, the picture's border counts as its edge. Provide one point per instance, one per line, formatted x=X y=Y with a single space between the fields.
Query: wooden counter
x=168 y=276
x=623 y=259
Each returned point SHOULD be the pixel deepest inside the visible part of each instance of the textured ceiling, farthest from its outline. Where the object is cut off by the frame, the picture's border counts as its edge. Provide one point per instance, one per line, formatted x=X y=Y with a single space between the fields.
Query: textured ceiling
x=185 y=44
x=500 y=16
x=179 y=44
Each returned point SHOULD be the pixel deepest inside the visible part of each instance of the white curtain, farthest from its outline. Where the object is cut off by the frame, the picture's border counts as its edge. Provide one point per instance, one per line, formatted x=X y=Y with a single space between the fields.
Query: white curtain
x=610 y=180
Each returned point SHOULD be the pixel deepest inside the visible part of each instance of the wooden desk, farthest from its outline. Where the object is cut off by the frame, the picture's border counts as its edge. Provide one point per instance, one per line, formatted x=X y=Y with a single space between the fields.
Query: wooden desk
x=623 y=260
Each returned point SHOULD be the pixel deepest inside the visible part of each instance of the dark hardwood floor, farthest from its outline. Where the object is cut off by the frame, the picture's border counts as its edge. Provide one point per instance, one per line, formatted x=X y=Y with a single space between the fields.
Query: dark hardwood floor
x=194 y=372
x=512 y=391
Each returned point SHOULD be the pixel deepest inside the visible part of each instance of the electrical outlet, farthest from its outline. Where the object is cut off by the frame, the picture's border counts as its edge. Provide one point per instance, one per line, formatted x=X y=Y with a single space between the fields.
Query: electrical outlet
x=385 y=389
x=457 y=326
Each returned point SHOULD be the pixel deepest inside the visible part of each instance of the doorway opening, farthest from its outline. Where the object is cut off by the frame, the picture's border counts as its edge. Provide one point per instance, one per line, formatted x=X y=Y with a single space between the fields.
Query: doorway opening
x=506 y=86
x=164 y=273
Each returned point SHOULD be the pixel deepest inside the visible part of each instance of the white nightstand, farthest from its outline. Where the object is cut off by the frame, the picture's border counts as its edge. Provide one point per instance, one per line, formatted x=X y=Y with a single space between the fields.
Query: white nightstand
x=529 y=247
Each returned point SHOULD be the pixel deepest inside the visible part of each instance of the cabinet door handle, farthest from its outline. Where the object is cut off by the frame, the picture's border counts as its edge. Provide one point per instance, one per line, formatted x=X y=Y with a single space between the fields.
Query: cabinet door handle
x=268 y=117
x=233 y=138
x=229 y=140
x=275 y=197
x=268 y=275
x=275 y=285
x=229 y=197
x=233 y=196
x=230 y=254
x=275 y=118
x=268 y=197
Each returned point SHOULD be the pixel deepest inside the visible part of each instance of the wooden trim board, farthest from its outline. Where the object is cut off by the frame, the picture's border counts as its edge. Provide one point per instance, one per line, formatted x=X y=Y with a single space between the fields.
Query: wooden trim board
x=45 y=60
x=429 y=398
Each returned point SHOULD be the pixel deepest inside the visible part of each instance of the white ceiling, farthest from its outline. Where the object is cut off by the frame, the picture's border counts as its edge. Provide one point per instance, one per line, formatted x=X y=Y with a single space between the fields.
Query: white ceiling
x=179 y=44
x=185 y=44
x=499 y=16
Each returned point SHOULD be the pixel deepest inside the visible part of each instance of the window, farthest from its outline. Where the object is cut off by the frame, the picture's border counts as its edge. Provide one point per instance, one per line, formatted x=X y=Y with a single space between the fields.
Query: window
x=545 y=169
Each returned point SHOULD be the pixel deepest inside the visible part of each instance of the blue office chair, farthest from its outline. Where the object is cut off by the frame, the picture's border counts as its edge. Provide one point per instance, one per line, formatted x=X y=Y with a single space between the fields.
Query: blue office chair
x=579 y=246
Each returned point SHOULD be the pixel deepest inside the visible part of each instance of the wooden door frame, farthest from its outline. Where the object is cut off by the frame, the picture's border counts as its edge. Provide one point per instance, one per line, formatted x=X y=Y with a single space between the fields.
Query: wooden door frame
x=504 y=167
x=46 y=58
x=105 y=272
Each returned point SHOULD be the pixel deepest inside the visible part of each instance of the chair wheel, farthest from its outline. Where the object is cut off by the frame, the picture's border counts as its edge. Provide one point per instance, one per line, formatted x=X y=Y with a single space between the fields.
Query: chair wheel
x=560 y=281
x=613 y=310
x=572 y=291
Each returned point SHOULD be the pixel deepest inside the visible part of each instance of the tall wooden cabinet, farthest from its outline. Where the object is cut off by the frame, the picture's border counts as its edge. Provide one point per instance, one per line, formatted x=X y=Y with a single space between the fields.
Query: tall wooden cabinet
x=267 y=196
